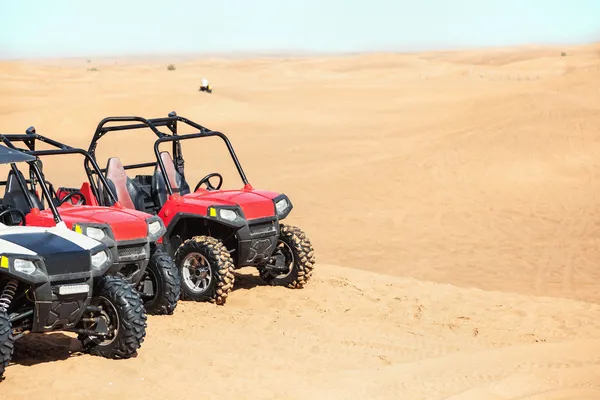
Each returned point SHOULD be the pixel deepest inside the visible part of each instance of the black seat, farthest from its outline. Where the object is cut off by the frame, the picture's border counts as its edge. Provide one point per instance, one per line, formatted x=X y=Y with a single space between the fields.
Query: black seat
x=126 y=190
x=159 y=187
x=16 y=198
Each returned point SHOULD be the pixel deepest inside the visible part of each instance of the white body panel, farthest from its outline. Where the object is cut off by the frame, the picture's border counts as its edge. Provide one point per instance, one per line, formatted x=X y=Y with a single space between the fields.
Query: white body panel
x=59 y=230
x=8 y=247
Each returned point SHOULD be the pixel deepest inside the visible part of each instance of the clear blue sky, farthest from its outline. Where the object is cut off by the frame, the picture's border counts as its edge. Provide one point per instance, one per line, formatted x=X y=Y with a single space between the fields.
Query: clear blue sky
x=42 y=28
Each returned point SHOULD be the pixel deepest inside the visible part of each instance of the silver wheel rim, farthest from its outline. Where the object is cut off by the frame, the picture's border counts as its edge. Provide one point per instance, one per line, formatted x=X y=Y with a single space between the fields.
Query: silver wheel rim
x=197 y=274
x=107 y=318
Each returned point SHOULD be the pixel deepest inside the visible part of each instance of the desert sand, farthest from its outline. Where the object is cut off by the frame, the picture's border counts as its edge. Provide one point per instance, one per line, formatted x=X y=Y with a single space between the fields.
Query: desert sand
x=452 y=199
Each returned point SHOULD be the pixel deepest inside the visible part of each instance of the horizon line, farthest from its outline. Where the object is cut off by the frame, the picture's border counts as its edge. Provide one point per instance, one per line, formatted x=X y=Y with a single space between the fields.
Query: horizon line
x=292 y=53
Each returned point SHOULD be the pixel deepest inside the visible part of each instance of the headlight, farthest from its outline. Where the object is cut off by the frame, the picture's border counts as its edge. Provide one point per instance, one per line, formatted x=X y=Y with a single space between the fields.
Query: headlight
x=99 y=259
x=229 y=215
x=24 y=266
x=95 y=233
x=100 y=234
x=154 y=227
x=281 y=206
x=21 y=265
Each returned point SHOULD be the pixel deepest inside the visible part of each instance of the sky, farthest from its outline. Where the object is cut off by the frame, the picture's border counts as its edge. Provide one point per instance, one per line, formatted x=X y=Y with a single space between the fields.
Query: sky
x=59 y=28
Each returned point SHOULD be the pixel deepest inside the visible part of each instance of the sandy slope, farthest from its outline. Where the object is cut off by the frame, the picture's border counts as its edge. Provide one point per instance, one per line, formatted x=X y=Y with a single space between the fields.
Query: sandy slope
x=351 y=334
x=476 y=170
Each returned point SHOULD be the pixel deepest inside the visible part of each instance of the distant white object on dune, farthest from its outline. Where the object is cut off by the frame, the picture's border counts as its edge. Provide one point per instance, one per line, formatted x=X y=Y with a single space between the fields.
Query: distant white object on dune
x=205 y=87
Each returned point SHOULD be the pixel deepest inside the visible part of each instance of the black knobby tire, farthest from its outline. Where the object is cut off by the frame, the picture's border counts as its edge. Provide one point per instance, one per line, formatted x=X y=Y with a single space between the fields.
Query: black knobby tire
x=303 y=259
x=220 y=264
x=6 y=342
x=131 y=319
x=164 y=275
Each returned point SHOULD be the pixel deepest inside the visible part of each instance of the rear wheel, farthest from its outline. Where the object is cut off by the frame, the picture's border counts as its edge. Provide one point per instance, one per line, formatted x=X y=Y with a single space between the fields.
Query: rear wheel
x=120 y=319
x=295 y=251
x=161 y=287
x=206 y=269
x=6 y=342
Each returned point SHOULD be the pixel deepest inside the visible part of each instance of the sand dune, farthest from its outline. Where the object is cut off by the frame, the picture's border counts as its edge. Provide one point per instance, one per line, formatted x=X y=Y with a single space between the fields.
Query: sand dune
x=451 y=198
x=351 y=334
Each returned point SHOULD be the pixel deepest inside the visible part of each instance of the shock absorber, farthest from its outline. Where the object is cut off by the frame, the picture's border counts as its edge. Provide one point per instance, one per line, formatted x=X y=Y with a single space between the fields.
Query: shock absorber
x=7 y=294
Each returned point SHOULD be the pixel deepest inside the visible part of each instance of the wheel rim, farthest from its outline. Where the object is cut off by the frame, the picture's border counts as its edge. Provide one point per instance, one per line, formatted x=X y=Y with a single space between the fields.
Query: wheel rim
x=197 y=274
x=288 y=255
x=109 y=321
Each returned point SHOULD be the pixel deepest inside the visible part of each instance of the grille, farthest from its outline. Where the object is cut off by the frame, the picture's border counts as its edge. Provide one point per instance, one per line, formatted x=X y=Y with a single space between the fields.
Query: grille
x=263 y=228
x=67 y=262
x=131 y=252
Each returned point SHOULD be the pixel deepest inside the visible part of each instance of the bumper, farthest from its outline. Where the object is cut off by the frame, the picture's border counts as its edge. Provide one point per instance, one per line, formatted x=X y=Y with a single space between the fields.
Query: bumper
x=60 y=286
x=256 y=241
x=55 y=309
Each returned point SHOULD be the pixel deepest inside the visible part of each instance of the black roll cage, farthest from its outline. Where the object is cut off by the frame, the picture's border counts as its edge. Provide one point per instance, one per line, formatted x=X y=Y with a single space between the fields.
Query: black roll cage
x=33 y=168
x=29 y=139
x=23 y=186
x=153 y=123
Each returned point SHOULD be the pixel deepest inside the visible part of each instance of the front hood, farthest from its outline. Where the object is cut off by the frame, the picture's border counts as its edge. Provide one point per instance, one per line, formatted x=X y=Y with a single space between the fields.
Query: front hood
x=255 y=204
x=126 y=224
x=60 y=230
x=60 y=255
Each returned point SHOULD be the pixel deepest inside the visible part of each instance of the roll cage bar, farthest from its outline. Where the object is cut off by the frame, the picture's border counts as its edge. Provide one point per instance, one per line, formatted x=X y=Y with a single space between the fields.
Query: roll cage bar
x=29 y=139
x=34 y=171
x=154 y=123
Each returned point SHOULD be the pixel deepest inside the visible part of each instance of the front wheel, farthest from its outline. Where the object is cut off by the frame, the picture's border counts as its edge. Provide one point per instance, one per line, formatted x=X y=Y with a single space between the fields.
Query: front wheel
x=206 y=269
x=294 y=251
x=6 y=342
x=120 y=320
x=163 y=283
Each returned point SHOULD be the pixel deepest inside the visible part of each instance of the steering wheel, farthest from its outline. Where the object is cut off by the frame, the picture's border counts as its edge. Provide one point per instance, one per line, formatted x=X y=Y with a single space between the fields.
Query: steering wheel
x=81 y=200
x=14 y=211
x=206 y=180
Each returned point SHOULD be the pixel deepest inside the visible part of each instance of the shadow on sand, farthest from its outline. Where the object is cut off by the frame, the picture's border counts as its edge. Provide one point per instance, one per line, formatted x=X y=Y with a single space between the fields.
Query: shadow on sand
x=35 y=348
x=247 y=281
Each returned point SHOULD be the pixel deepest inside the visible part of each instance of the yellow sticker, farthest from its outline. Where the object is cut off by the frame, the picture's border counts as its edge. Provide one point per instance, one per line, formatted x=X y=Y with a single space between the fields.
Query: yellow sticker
x=78 y=229
x=4 y=262
x=212 y=212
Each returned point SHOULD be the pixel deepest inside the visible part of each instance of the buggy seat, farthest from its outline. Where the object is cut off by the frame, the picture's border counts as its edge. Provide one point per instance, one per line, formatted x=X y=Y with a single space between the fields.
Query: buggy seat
x=16 y=198
x=127 y=191
x=159 y=186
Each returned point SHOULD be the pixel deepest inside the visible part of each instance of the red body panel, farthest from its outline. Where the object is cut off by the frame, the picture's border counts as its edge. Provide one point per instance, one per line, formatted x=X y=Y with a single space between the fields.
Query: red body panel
x=126 y=224
x=254 y=203
x=177 y=204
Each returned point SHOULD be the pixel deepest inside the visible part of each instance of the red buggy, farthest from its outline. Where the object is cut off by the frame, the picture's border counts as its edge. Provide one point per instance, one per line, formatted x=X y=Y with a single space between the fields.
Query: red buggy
x=210 y=232
x=130 y=235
